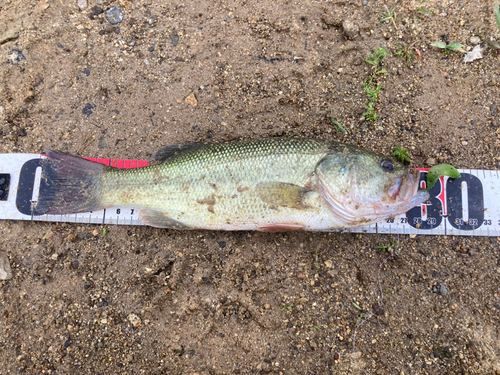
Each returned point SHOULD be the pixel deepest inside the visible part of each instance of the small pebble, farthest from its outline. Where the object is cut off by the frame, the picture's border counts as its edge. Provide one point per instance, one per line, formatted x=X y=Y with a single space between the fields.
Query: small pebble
x=430 y=162
x=134 y=320
x=95 y=11
x=114 y=15
x=82 y=4
x=475 y=39
x=5 y=271
x=301 y=276
x=441 y=289
x=350 y=29
x=191 y=100
x=16 y=56
x=10 y=30
x=87 y=110
x=174 y=39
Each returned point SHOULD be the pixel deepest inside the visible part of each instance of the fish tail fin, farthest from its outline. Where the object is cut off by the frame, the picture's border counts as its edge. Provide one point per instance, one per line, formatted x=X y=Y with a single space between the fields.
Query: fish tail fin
x=69 y=184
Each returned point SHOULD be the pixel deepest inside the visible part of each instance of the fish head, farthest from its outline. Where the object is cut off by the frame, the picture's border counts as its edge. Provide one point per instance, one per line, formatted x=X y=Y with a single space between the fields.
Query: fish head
x=360 y=187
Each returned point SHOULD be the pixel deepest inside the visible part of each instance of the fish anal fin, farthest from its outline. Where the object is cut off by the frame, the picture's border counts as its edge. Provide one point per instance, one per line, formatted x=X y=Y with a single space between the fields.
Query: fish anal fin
x=158 y=219
x=281 y=227
x=283 y=194
x=167 y=152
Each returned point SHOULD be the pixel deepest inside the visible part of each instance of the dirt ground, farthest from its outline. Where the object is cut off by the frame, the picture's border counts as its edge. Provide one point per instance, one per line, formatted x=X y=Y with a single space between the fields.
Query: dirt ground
x=140 y=300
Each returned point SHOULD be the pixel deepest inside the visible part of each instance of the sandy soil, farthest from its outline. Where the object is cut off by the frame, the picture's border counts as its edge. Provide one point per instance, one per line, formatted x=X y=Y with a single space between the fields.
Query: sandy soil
x=143 y=300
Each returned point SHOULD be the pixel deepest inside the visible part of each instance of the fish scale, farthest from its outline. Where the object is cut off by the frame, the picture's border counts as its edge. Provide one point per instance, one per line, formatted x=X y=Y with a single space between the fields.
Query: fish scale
x=224 y=174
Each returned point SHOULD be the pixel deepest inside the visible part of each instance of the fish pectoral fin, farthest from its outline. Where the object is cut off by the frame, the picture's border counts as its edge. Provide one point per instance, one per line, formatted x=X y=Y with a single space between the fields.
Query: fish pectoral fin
x=158 y=219
x=167 y=152
x=282 y=194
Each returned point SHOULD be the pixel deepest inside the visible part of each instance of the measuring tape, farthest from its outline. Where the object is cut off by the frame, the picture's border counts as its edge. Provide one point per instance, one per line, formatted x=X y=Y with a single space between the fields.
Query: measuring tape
x=467 y=206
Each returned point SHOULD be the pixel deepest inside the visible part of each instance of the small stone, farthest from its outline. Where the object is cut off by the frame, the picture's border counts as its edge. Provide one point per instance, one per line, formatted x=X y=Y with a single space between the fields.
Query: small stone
x=95 y=11
x=87 y=110
x=340 y=70
x=430 y=162
x=191 y=100
x=329 y=263
x=54 y=256
x=134 y=320
x=350 y=29
x=16 y=56
x=475 y=39
x=10 y=31
x=69 y=328
x=5 y=271
x=301 y=276
x=365 y=2
x=82 y=4
x=174 y=38
x=441 y=289
x=493 y=110
x=114 y=15
x=267 y=306
x=95 y=233
x=71 y=237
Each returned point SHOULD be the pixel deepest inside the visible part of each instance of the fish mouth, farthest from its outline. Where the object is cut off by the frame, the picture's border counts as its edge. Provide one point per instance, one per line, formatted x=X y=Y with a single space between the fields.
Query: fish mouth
x=406 y=188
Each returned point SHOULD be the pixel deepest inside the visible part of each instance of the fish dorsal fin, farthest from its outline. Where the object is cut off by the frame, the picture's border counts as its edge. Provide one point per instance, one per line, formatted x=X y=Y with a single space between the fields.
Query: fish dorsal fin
x=167 y=152
x=282 y=194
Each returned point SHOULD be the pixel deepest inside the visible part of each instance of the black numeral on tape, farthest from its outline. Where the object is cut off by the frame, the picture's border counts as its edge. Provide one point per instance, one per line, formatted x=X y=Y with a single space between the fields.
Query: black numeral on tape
x=464 y=205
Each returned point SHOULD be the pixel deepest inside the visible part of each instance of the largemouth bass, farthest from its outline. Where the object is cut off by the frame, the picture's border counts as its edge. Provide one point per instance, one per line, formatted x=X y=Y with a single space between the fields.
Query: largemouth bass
x=269 y=185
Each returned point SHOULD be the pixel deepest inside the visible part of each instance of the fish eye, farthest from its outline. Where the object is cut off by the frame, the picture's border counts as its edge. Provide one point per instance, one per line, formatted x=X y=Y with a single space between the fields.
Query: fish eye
x=387 y=165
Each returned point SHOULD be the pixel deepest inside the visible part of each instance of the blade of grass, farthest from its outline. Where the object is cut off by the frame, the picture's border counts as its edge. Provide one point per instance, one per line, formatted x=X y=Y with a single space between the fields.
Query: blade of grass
x=497 y=15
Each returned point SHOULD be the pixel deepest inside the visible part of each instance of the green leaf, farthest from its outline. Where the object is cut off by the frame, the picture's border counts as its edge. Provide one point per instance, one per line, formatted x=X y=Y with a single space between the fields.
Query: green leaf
x=423 y=11
x=357 y=306
x=335 y=122
x=439 y=44
x=437 y=171
x=454 y=46
x=493 y=44
x=401 y=154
